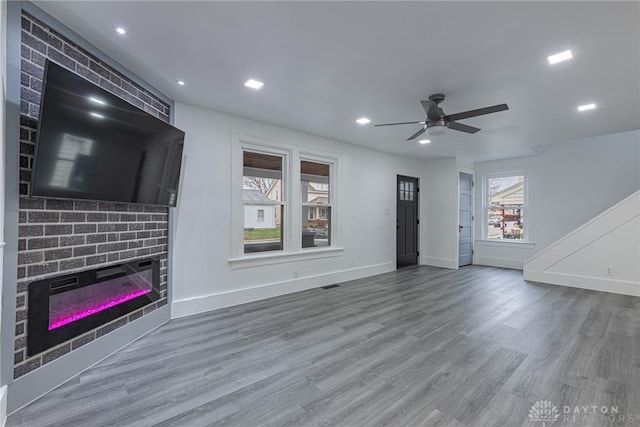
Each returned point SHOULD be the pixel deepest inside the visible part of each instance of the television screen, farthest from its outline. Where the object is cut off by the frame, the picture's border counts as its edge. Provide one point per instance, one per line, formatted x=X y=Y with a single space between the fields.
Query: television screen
x=93 y=145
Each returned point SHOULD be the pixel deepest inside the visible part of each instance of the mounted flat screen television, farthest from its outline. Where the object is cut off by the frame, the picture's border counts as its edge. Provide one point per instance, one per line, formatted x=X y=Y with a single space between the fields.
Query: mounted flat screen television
x=93 y=145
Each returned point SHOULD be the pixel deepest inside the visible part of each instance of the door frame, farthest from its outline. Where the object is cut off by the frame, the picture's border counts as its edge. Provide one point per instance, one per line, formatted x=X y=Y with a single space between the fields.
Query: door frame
x=418 y=204
x=473 y=213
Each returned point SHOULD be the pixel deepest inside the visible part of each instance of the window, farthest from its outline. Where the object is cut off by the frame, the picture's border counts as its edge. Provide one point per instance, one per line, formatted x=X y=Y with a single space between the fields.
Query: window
x=262 y=184
x=505 y=207
x=315 y=195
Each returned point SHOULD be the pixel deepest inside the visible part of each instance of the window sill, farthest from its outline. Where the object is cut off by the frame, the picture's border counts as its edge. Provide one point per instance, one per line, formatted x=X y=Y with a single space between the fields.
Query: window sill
x=506 y=244
x=250 y=261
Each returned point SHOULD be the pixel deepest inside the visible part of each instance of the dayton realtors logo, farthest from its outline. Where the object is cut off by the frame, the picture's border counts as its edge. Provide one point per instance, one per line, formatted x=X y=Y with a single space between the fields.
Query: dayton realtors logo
x=544 y=411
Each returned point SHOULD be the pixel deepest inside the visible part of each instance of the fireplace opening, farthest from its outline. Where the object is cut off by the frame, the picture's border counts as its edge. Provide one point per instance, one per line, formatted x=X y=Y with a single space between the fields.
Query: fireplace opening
x=63 y=307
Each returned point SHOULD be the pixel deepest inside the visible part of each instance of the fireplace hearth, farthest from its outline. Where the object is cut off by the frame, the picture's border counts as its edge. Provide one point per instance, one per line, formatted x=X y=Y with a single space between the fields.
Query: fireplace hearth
x=63 y=307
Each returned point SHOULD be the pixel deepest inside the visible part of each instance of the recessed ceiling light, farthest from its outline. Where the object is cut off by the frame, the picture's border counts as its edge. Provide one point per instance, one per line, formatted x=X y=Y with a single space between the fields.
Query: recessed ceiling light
x=424 y=141
x=559 y=57
x=363 y=121
x=253 y=84
x=180 y=82
x=586 y=107
x=96 y=115
x=121 y=31
x=97 y=101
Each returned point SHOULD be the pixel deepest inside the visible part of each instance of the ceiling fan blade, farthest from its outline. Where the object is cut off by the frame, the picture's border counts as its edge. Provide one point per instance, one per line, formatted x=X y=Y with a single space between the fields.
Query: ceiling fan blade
x=478 y=112
x=402 y=123
x=463 y=128
x=417 y=134
x=432 y=110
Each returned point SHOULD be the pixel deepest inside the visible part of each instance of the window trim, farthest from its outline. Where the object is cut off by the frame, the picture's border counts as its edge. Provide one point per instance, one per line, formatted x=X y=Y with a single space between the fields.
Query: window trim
x=292 y=229
x=528 y=229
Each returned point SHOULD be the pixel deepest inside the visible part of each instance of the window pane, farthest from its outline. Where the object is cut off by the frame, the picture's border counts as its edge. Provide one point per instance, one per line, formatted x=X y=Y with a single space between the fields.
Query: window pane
x=314 y=182
x=262 y=228
x=262 y=177
x=505 y=207
x=316 y=232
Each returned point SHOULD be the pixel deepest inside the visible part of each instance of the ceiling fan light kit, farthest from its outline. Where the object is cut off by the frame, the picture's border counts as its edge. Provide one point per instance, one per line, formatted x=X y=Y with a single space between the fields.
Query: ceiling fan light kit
x=438 y=122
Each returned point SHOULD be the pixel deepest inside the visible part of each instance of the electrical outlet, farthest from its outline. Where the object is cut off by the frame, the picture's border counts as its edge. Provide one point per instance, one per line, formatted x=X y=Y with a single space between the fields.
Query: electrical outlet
x=608 y=270
x=296 y=273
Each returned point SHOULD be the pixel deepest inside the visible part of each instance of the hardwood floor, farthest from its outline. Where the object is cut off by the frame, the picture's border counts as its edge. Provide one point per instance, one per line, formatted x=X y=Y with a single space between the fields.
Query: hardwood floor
x=420 y=346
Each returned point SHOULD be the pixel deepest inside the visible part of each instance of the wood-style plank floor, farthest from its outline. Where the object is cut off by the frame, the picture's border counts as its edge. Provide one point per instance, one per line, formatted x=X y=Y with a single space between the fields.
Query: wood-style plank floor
x=419 y=346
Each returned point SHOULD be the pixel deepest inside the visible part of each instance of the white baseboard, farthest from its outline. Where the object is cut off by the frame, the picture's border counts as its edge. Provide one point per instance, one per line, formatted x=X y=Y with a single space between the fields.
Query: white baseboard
x=439 y=262
x=187 y=307
x=585 y=282
x=3 y=405
x=490 y=261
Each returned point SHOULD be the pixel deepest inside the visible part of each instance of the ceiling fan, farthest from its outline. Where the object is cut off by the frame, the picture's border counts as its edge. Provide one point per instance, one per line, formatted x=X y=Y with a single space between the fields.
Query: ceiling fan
x=437 y=121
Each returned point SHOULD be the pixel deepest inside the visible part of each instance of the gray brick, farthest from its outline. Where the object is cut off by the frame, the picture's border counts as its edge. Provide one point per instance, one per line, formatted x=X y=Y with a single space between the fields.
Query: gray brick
x=143 y=252
x=150 y=242
x=27 y=367
x=55 y=230
x=99 y=69
x=22 y=272
x=113 y=237
x=84 y=228
x=135 y=315
x=18 y=356
x=81 y=205
x=55 y=353
x=40 y=269
x=72 y=217
x=157 y=233
x=97 y=259
x=127 y=217
x=87 y=74
x=25 y=53
x=136 y=226
x=113 y=257
x=25 y=258
x=96 y=238
x=71 y=264
x=60 y=205
x=148 y=309
x=29 y=95
x=162 y=241
x=127 y=254
x=128 y=236
x=111 y=228
x=72 y=240
x=31 y=68
x=54 y=254
x=38 y=59
x=109 y=206
x=34 y=110
x=151 y=226
x=21 y=300
x=136 y=244
x=25 y=24
x=84 y=251
x=144 y=217
x=143 y=234
x=136 y=208
x=46 y=36
x=158 y=217
x=75 y=54
x=112 y=247
x=43 y=243
x=28 y=149
x=21 y=315
x=22 y=244
x=156 y=250
x=96 y=217
x=114 y=217
x=43 y=217
x=111 y=327
x=60 y=58
x=84 y=339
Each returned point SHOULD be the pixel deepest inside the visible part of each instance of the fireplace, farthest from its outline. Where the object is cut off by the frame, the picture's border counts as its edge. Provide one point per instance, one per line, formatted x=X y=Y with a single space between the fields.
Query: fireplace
x=63 y=307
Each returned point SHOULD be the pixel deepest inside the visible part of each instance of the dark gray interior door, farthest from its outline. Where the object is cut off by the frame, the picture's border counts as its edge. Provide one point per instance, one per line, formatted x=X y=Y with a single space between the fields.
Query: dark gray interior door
x=465 y=225
x=407 y=222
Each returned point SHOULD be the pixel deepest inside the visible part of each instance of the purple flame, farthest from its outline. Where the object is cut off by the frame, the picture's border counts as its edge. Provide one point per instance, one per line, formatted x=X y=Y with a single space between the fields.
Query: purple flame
x=93 y=310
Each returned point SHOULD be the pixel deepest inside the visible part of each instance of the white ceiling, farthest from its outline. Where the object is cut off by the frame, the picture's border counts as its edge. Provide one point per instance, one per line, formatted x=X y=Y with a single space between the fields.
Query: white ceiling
x=325 y=64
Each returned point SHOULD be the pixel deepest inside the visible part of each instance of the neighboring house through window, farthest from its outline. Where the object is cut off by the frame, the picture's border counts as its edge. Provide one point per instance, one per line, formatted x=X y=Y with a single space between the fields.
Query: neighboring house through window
x=506 y=208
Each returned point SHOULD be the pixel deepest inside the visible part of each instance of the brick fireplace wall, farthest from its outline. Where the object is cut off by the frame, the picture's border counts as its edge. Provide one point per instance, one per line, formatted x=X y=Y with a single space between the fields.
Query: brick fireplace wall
x=63 y=236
